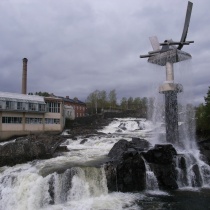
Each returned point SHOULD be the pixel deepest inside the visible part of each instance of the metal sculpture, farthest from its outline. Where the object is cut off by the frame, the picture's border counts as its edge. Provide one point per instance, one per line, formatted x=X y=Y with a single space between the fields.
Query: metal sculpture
x=169 y=54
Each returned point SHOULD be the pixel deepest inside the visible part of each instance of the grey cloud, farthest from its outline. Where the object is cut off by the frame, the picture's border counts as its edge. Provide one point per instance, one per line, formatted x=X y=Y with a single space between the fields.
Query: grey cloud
x=75 y=47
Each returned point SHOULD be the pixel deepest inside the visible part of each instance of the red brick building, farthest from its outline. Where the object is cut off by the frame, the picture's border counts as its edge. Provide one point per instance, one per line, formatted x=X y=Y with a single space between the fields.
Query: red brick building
x=79 y=106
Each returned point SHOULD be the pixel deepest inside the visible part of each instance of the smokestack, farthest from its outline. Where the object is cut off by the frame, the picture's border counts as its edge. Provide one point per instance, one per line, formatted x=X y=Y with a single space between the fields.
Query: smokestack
x=24 y=76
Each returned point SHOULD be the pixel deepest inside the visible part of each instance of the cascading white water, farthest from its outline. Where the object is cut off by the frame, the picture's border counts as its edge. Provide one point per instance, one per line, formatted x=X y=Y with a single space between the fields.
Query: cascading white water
x=72 y=180
x=75 y=181
x=29 y=190
x=151 y=180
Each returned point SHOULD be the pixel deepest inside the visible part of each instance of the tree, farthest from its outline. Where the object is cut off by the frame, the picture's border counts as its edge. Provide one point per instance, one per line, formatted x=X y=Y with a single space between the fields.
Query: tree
x=102 y=99
x=112 y=99
x=92 y=101
x=130 y=103
x=203 y=116
x=137 y=103
x=124 y=103
x=45 y=94
x=207 y=104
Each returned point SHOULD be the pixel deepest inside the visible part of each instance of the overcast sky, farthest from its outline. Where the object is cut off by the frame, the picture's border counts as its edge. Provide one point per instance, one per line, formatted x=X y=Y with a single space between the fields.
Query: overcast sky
x=77 y=46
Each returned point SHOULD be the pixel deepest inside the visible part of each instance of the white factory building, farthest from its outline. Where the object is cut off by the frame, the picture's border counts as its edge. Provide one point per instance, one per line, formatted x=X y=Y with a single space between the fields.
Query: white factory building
x=22 y=114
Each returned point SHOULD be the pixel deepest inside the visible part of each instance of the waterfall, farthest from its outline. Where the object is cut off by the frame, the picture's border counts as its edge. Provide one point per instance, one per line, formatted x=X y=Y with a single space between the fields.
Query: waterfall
x=191 y=171
x=151 y=180
x=32 y=191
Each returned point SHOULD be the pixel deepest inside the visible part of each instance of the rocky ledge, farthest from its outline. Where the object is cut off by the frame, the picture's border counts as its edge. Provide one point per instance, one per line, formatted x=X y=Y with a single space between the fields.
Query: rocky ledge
x=28 y=148
x=127 y=170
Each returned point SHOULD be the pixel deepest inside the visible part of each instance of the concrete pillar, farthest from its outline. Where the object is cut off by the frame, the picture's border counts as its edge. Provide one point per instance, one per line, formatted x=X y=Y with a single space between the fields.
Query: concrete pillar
x=169 y=72
x=24 y=76
x=171 y=117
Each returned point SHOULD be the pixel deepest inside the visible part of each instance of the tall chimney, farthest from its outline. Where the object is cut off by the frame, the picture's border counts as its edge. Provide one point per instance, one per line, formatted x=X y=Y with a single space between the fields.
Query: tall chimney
x=24 y=76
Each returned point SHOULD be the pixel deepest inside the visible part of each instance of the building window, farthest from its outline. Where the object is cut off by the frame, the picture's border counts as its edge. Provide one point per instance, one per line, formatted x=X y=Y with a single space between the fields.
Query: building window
x=32 y=106
x=33 y=120
x=20 y=105
x=41 y=107
x=54 y=107
x=13 y=120
x=8 y=104
x=52 y=121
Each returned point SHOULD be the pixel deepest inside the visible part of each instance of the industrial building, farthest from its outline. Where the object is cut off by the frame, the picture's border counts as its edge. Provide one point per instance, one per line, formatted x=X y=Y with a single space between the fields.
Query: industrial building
x=78 y=106
x=22 y=114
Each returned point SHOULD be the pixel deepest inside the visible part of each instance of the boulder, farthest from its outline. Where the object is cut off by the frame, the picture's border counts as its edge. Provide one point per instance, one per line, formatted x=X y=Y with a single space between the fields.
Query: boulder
x=197 y=182
x=141 y=144
x=28 y=148
x=119 y=148
x=127 y=170
x=123 y=145
x=161 y=154
x=127 y=175
x=83 y=141
x=161 y=160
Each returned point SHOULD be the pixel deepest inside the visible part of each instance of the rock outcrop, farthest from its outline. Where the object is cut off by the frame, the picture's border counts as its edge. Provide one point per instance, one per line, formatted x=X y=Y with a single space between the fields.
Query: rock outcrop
x=127 y=170
x=28 y=148
x=162 y=162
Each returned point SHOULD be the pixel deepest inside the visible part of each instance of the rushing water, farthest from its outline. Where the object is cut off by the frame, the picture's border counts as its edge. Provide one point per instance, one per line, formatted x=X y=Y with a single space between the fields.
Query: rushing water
x=76 y=179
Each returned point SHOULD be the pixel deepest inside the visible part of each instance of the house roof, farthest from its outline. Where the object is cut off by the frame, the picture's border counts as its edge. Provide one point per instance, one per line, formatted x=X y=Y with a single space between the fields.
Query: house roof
x=71 y=100
x=23 y=97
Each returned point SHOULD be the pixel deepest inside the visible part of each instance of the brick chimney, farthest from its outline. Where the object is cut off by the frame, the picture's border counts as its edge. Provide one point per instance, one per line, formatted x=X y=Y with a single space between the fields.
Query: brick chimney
x=24 y=76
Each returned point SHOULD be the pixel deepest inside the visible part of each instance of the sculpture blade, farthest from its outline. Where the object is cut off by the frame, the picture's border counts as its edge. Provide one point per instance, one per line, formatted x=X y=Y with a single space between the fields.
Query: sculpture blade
x=186 y=24
x=154 y=42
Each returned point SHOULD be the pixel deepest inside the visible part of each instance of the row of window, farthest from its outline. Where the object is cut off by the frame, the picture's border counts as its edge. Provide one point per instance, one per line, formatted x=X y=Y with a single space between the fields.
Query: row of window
x=13 y=105
x=53 y=107
x=80 y=114
x=18 y=120
x=79 y=108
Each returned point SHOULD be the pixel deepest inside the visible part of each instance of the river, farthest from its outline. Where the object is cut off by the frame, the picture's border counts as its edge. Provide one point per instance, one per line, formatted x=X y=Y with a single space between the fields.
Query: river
x=76 y=179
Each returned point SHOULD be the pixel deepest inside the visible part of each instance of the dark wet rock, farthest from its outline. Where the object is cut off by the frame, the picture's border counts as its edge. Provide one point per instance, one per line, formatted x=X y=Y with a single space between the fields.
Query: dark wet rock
x=197 y=182
x=141 y=144
x=83 y=141
x=162 y=162
x=119 y=148
x=160 y=154
x=122 y=126
x=51 y=190
x=131 y=173
x=166 y=176
x=127 y=171
x=62 y=148
x=123 y=145
x=128 y=175
x=182 y=163
x=28 y=148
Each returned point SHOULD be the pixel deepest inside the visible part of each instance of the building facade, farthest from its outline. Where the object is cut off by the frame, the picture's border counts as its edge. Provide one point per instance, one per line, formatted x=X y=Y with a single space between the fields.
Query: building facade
x=79 y=107
x=22 y=114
